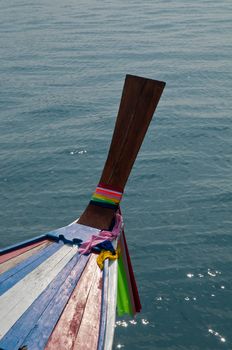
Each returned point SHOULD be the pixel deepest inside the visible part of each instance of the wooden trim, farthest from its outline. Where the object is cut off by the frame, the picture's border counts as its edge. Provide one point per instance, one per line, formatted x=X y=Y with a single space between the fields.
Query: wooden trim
x=139 y=100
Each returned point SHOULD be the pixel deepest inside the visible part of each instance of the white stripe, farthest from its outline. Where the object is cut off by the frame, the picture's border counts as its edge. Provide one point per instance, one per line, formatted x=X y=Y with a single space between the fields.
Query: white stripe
x=18 y=298
x=112 y=303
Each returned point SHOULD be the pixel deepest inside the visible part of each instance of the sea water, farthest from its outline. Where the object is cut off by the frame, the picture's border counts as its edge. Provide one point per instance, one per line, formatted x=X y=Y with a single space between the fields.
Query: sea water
x=62 y=68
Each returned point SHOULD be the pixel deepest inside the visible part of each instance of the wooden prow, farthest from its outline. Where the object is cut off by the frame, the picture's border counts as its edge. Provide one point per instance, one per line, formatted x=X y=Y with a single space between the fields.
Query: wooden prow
x=139 y=100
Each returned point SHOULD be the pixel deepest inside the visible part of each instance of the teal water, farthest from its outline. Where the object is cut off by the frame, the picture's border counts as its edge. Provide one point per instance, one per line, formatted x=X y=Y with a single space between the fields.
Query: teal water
x=62 y=67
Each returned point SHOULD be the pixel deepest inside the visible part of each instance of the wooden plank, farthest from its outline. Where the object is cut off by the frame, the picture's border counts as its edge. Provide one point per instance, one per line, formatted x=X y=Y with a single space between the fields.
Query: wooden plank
x=14 y=275
x=139 y=100
x=16 y=300
x=65 y=332
x=6 y=256
x=23 y=244
x=39 y=335
x=19 y=332
x=15 y=337
x=87 y=337
x=8 y=264
x=70 y=232
x=74 y=231
x=112 y=302
x=104 y=305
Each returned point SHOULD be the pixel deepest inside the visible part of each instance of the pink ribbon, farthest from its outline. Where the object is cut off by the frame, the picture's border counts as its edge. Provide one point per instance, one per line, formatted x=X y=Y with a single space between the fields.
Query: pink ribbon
x=87 y=246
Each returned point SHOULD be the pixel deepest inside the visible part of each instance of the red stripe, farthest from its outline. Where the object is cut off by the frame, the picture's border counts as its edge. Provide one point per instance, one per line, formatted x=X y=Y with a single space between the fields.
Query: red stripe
x=66 y=330
x=109 y=187
x=111 y=193
x=19 y=251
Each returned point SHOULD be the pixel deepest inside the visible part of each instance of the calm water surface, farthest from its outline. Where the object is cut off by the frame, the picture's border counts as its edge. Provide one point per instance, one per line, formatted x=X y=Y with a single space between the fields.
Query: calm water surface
x=62 y=67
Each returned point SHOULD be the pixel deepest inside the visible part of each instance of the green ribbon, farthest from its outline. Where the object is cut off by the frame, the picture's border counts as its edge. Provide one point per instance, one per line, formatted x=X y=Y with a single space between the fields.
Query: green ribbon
x=123 y=297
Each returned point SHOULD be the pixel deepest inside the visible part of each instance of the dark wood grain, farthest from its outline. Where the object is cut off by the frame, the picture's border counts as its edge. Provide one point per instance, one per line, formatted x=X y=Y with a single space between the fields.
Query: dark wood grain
x=139 y=100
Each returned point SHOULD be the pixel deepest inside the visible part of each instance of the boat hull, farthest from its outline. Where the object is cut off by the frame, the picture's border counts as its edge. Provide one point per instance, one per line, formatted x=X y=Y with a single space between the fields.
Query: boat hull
x=51 y=297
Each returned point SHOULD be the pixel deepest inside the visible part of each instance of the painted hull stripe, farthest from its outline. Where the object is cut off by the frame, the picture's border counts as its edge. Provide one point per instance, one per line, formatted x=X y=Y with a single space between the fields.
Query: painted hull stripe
x=18 y=251
x=112 y=301
x=66 y=330
x=20 y=330
x=14 y=275
x=10 y=263
x=104 y=305
x=87 y=337
x=16 y=300
x=39 y=335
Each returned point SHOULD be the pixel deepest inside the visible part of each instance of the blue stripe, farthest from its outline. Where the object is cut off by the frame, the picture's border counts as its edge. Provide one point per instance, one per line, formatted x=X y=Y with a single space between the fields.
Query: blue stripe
x=104 y=306
x=74 y=233
x=9 y=278
x=36 y=324
x=38 y=337
x=53 y=235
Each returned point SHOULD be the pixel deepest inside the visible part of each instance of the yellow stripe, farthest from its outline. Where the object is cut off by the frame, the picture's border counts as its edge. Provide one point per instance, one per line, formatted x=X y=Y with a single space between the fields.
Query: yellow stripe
x=106 y=199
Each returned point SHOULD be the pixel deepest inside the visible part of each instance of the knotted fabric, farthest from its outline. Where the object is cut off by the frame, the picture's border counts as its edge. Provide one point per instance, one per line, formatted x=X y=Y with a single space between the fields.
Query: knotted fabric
x=106 y=254
x=103 y=235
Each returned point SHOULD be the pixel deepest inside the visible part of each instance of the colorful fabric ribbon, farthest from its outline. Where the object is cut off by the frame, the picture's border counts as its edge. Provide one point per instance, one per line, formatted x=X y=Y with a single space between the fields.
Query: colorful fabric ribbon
x=107 y=197
x=128 y=301
x=106 y=254
x=87 y=246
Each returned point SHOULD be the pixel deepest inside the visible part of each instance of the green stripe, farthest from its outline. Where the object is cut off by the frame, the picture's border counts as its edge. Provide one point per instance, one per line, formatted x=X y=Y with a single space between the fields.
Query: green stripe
x=102 y=200
x=123 y=298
